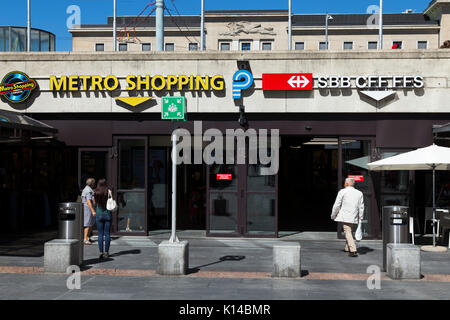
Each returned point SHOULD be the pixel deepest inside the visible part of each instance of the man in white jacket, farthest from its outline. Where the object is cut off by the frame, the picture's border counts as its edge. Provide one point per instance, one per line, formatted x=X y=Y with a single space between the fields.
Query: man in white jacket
x=349 y=209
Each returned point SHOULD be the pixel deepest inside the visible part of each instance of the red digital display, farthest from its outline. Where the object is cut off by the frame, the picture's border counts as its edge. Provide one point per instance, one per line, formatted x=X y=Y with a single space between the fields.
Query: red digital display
x=357 y=178
x=223 y=176
x=287 y=81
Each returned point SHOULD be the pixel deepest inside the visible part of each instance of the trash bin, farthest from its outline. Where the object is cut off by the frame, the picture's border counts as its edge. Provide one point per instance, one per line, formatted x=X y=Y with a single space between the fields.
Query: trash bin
x=70 y=223
x=395 y=227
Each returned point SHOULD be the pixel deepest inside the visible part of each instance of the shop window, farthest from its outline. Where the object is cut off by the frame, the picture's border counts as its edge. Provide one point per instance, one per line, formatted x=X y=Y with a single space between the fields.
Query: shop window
x=146 y=47
x=299 y=46
x=193 y=46
x=170 y=46
x=123 y=47
x=99 y=47
x=422 y=45
x=225 y=46
x=348 y=45
x=372 y=45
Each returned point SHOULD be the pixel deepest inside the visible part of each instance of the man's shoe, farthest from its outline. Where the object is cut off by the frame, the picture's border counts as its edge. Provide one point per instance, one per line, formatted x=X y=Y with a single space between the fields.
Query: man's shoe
x=106 y=255
x=353 y=254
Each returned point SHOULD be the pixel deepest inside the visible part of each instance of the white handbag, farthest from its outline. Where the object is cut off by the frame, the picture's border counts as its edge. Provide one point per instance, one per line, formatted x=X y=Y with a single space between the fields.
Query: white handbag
x=111 y=204
x=358 y=233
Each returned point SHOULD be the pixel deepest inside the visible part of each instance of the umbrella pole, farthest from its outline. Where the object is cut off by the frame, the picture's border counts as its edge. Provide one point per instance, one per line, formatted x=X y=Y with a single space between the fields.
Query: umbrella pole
x=434 y=205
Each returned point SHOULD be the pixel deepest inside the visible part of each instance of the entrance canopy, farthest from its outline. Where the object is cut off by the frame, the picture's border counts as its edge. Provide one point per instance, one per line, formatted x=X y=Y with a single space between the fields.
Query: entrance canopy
x=16 y=120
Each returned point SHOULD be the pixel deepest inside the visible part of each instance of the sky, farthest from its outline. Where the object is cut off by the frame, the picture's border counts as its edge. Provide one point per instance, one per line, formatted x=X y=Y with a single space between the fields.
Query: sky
x=51 y=15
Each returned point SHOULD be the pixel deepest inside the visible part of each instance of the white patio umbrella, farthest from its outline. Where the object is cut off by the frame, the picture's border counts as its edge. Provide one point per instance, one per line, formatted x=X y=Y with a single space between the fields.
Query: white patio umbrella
x=430 y=158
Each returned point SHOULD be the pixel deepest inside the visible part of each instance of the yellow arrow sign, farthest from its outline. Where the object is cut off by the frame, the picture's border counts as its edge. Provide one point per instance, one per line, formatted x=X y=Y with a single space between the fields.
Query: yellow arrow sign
x=133 y=101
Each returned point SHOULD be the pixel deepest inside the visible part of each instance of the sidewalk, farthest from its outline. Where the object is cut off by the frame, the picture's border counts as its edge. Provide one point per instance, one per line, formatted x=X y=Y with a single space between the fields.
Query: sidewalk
x=222 y=269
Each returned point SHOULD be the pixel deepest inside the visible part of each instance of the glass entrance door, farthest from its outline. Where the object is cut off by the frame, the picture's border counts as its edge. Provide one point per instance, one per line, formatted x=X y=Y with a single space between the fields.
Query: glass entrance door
x=131 y=217
x=93 y=163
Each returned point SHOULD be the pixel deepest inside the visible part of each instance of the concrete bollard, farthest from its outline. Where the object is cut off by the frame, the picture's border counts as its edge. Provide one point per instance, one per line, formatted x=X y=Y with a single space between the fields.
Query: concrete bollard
x=59 y=254
x=173 y=258
x=403 y=261
x=286 y=260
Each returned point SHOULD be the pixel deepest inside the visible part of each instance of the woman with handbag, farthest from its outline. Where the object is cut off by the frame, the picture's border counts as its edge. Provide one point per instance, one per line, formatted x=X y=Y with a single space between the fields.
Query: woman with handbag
x=104 y=205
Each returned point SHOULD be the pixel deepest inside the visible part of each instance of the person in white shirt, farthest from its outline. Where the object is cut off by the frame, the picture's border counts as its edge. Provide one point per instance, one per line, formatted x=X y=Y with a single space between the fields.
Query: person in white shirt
x=349 y=210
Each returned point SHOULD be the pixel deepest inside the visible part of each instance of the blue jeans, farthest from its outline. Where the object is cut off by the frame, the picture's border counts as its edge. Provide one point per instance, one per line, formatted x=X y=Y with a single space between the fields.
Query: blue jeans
x=104 y=226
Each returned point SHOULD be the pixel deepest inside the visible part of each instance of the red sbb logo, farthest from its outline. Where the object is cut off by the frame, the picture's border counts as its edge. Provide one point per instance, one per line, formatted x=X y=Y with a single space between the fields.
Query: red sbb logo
x=222 y=176
x=357 y=178
x=287 y=81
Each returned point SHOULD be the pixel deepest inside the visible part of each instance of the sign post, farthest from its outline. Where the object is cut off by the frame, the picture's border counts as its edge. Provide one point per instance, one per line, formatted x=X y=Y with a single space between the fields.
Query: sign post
x=173 y=108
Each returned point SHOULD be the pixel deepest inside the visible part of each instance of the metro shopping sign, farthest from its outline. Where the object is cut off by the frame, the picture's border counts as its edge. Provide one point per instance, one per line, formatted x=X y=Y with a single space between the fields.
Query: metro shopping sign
x=287 y=81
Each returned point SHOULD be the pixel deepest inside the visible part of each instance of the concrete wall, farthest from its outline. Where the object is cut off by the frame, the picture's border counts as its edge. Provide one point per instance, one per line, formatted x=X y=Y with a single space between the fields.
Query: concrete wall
x=433 y=65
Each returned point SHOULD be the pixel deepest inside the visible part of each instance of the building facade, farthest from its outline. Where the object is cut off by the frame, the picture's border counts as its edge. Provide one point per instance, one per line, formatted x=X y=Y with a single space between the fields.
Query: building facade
x=326 y=113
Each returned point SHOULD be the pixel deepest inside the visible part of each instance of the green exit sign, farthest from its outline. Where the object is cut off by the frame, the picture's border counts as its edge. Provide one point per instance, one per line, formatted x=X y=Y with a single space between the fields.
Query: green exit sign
x=173 y=108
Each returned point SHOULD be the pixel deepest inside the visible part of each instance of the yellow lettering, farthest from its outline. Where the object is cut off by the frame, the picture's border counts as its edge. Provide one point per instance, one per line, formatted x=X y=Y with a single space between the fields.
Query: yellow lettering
x=97 y=83
x=171 y=80
x=58 y=85
x=84 y=82
x=217 y=83
x=114 y=86
x=204 y=83
x=163 y=82
x=131 y=80
x=191 y=83
x=140 y=82
x=182 y=80
x=73 y=83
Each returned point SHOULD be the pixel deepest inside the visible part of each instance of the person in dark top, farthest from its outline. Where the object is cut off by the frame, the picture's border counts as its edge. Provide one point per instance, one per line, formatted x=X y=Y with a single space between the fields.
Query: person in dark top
x=103 y=218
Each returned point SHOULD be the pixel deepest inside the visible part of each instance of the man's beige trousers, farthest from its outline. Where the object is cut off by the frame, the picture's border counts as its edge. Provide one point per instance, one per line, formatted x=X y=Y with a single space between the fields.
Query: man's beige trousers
x=350 y=245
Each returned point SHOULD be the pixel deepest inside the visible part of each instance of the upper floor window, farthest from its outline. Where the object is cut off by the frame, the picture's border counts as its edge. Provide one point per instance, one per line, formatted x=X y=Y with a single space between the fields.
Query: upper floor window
x=225 y=46
x=266 y=46
x=372 y=45
x=246 y=46
x=322 y=46
x=299 y=46
x=348 y=45
x=170 y=46
x=123 y=47
x=99 y=47
x=397 y=45
x=193 y=46
x=422 y=44
x=146 y=47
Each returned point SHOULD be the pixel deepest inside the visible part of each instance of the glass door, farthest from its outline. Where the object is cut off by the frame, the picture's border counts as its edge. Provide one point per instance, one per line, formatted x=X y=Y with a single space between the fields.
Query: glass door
x=131 y=194
x=93 y=163
x=356 y=154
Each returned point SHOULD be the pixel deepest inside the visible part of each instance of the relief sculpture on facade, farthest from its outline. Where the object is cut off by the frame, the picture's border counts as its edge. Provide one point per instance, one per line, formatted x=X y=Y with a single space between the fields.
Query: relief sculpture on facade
x=245 y=27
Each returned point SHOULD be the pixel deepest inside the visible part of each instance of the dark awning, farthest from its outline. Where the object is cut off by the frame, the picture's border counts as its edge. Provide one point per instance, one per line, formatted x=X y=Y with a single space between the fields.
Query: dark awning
x=442 y=129
x=16 y=120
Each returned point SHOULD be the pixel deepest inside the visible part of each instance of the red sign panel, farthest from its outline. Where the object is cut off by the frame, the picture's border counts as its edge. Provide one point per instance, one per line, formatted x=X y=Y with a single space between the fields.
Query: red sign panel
x=357 y=178
x=223 y=176
x=287 y=81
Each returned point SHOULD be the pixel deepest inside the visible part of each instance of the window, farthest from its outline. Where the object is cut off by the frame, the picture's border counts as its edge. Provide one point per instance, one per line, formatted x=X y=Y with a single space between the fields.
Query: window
x=373 y=45
x=348 y=45
x=299 y=46
x=225 y=46
x=422 y=45
x=245 y=46
x=146 y=47
x=322 y=46
x=123 y=47
x=99 y=47
x=266 y=46
x=193 y=46
x=397 y=45
x=170 y=46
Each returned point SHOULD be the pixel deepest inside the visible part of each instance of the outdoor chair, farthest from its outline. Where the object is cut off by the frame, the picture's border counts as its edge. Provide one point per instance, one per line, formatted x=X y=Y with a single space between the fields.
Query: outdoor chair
x=445 y=224
x=412 y=221
x=429 y=217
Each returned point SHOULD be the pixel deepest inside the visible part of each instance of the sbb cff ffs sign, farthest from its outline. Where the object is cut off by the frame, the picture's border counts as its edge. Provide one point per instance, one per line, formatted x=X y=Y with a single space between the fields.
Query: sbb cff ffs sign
x=287 y=81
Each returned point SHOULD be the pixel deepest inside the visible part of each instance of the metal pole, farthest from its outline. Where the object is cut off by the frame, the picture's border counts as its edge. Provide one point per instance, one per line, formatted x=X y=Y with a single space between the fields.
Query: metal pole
x=202 y=27
x=290 y=26
x=434 y=205
x=29 y=26
x=381 y=25
x=115 y=26
x=326 y=31
x=173 y=237
x=159 y=25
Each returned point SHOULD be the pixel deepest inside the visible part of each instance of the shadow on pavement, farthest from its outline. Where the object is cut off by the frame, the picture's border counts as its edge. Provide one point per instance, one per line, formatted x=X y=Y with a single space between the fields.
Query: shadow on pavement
x=87 y=264
x=221 y=259
x=364 y=250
